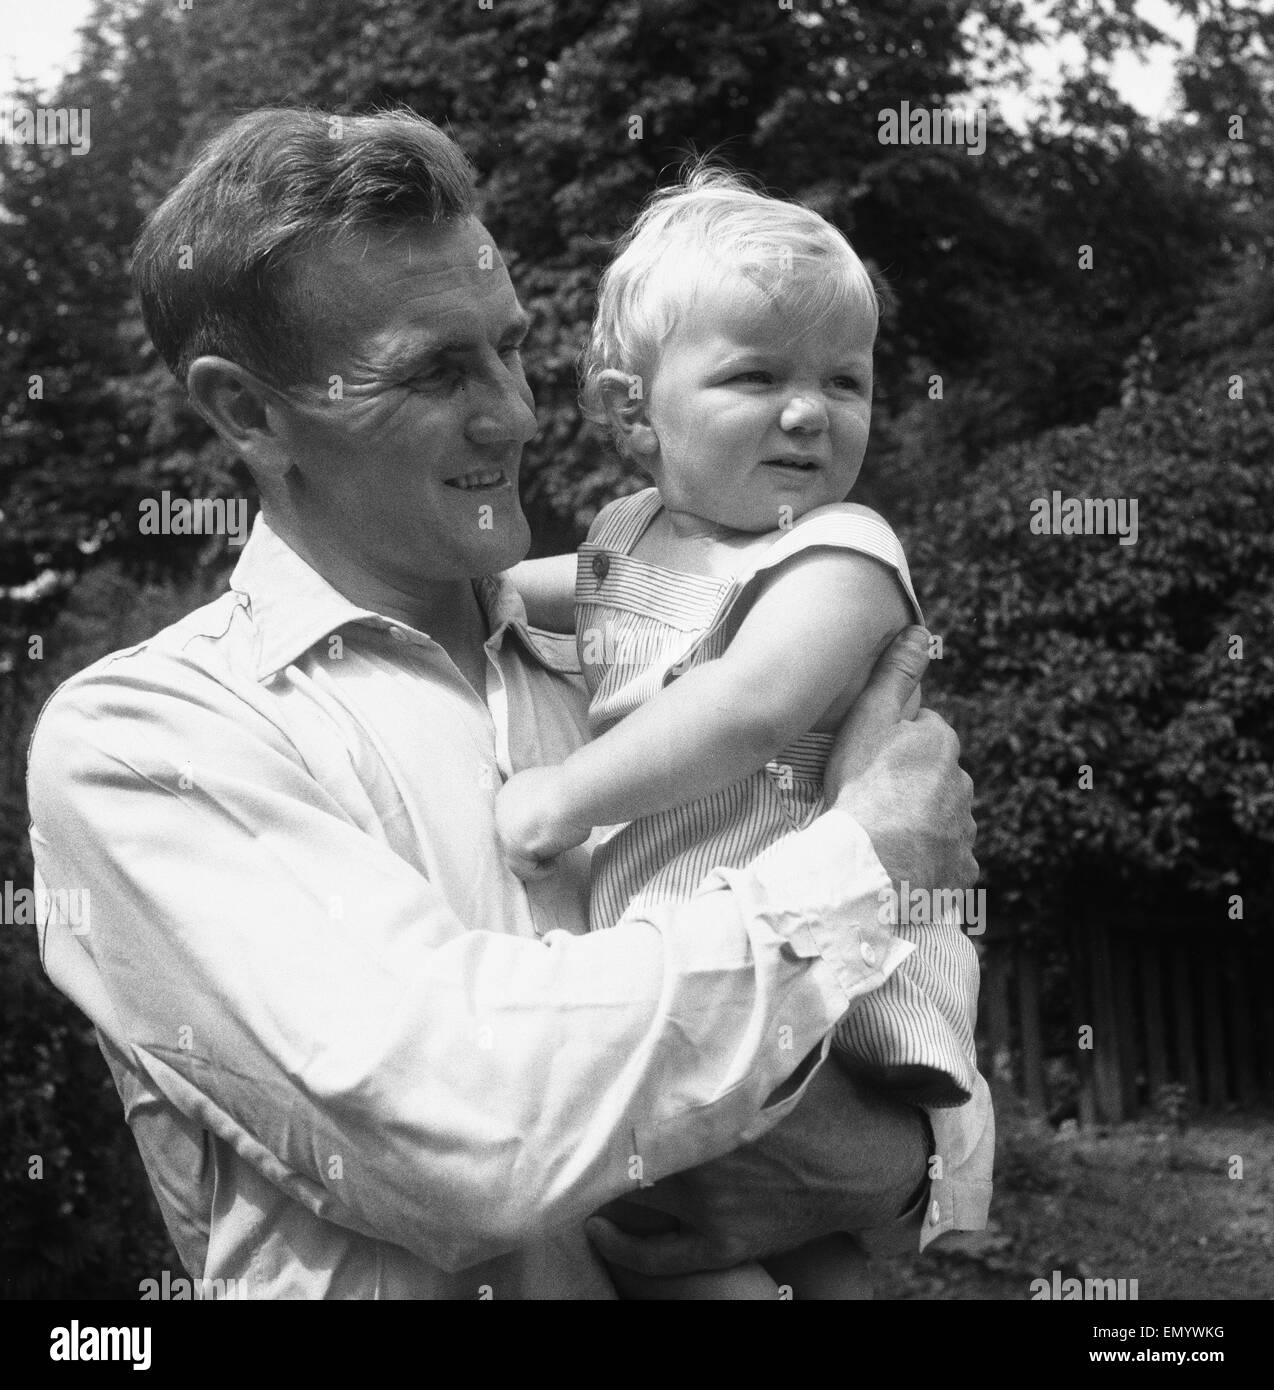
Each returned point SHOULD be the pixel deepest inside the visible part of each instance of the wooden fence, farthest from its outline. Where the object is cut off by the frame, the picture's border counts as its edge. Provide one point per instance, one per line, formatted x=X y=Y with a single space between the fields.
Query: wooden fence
x=1171 y=1004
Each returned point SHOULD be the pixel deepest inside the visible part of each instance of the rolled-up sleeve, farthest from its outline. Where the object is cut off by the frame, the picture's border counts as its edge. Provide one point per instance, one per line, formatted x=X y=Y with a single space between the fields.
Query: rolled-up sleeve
x=285 y=979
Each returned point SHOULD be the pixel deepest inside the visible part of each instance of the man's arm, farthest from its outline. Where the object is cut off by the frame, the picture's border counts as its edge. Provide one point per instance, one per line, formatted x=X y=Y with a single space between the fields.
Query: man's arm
x=290 y=983
x=845 y=1159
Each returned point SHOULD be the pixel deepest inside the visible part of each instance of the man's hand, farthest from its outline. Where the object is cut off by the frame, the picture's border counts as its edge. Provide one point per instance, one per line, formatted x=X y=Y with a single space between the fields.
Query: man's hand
x=534 y=823
x=895 y=768
x=845 y=1159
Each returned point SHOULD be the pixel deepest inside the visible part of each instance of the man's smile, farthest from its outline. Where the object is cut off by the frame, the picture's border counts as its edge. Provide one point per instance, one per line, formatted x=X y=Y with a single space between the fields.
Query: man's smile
x=484 y=480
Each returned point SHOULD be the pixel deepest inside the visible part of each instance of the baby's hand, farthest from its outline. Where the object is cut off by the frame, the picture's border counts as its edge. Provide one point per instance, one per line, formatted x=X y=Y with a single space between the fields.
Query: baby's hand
x=533 y=823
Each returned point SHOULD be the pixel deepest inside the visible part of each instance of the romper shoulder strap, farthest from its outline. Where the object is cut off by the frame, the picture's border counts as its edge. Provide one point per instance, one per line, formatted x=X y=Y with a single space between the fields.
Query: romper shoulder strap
x=619 y=524
x=844 y=526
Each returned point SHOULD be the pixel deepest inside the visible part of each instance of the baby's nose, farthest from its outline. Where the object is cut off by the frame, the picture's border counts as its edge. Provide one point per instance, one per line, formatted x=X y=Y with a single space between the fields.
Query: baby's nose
x=804 y=412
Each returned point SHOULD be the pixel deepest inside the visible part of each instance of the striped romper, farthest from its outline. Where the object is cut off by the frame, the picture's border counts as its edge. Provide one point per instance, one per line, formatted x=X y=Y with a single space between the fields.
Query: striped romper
x=638 y=626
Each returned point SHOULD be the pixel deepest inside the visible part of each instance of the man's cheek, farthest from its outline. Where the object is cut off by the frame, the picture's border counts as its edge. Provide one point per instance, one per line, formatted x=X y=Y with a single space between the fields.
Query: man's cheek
x=384 y=422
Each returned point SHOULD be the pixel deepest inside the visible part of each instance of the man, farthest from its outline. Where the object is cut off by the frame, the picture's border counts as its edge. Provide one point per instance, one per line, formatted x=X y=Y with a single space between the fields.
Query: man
x=359 y=1057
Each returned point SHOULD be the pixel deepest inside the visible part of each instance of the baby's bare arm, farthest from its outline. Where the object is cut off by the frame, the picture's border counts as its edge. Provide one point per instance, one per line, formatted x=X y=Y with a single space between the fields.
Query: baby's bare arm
x=807 y=643
x=547 y=588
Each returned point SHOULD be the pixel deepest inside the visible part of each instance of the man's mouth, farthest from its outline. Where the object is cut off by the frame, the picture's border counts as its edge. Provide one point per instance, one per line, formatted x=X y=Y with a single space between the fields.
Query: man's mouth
x=485 y=479
x=798 y=465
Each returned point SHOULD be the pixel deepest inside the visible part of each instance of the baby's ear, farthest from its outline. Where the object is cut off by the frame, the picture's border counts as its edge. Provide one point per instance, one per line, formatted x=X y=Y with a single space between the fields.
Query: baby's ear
x=625 y=400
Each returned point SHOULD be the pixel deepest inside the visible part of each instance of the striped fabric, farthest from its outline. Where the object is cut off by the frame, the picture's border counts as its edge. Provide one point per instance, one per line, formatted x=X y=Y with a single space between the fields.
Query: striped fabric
x=637 y=627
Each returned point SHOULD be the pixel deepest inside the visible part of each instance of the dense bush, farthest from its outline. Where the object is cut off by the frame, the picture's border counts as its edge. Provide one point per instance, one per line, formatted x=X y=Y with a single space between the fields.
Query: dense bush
x=1150 y=663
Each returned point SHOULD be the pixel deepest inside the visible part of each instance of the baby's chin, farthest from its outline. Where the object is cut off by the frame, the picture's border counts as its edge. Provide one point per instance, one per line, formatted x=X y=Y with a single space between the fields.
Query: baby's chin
x=783 y=509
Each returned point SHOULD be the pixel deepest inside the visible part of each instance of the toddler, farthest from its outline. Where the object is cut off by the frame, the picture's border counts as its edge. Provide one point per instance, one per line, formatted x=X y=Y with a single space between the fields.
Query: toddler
x=728 y=618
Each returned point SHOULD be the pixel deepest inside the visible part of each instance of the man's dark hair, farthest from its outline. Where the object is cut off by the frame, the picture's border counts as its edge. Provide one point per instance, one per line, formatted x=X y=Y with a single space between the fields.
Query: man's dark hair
x=212 y=263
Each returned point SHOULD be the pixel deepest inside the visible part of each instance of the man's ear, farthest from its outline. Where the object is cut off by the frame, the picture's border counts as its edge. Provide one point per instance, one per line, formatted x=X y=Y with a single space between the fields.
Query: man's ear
x=241 y=408
x=625 y=400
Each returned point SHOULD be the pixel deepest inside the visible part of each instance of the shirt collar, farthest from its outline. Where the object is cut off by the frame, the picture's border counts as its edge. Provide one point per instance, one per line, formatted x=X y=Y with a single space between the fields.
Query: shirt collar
x=292 y=607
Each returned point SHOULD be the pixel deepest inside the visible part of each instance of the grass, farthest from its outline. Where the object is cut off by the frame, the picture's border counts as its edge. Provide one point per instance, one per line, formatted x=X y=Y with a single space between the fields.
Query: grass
x=1185 y=1208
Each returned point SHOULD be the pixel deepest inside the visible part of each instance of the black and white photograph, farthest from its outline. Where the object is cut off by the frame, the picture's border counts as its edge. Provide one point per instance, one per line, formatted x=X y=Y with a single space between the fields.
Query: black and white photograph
x=637 y=662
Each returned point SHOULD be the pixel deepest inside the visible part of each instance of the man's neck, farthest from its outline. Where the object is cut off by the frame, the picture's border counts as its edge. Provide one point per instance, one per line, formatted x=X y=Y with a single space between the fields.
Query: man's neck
x=446 y=609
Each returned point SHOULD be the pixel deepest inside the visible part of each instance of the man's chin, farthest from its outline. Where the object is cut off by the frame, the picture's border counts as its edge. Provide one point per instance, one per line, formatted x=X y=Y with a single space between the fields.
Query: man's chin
x=503 y=547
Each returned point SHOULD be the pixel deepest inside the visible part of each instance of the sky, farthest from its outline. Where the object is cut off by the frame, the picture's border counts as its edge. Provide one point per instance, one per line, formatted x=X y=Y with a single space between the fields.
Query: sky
x=42 y=43
x=1145 y=83
x=43 y=46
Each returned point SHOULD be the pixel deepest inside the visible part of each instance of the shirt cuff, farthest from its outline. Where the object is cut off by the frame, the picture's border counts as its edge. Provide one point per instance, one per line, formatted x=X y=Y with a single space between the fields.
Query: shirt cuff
x=826 y=893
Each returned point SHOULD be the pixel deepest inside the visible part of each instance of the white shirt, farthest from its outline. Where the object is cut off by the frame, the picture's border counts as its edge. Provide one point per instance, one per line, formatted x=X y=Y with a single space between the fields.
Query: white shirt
x=359 y=1058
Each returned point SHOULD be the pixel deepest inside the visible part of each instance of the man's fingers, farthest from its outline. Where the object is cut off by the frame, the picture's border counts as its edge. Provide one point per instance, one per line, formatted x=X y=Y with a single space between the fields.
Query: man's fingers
x=894 y=678
x=935 y=726
x=674 y=1252
x=889 y=696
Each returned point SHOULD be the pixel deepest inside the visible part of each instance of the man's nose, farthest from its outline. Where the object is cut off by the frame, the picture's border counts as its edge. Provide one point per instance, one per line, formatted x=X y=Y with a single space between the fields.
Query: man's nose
x=805 y=411
x=506 y=412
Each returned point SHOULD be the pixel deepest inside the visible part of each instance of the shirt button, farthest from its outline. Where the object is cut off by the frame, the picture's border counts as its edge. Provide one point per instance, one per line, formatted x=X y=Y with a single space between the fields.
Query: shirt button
x=935 y=1213
x=601 y=566
x=868 y=952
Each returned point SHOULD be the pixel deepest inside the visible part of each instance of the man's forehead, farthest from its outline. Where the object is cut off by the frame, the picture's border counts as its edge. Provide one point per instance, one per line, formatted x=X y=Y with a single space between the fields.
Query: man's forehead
x=445 y=248
x=367 y=278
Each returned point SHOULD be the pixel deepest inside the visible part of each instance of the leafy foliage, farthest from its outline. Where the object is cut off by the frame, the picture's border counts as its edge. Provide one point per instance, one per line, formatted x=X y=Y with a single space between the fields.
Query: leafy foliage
x=1066 y=650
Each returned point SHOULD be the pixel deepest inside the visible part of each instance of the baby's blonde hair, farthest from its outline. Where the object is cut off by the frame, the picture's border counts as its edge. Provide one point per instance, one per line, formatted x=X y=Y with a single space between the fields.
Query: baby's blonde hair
x=697 y=234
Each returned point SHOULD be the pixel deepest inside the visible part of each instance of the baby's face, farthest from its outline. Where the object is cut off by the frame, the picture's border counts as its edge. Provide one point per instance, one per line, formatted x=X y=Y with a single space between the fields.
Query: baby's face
x=759 y=417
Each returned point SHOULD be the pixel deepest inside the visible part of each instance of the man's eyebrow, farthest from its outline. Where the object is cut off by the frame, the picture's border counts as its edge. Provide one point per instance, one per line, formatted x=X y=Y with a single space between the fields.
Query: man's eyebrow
x=423 y=348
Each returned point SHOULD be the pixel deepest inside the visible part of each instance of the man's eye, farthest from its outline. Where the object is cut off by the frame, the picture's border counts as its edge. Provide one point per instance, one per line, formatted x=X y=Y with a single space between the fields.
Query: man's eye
x=756 y=375
x=511 y=350
x=847 y=383
x=441 y=380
